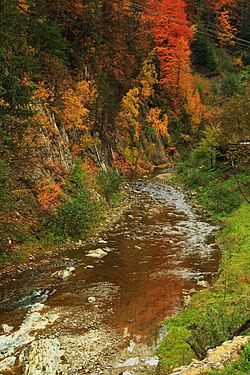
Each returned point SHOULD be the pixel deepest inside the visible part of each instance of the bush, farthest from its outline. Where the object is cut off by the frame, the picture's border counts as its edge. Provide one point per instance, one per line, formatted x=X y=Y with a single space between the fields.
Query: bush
x=203 y=52
x=11 y=230
x=219 y=323
x=77 y=179
x=77 y=216
x=150 y=131
x=198 y=178
x=109 y=183
x=224 y=197
x=231 y=85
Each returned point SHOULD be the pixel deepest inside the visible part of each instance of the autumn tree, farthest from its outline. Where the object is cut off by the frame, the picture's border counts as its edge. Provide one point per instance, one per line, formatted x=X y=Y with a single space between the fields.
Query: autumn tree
x=172 y=36
x=76 y=115
x=234 y=118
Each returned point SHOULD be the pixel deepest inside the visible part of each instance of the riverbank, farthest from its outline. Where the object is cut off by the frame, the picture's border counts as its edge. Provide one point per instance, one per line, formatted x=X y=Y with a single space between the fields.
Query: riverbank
x=85 y=302
x=108 y=310
x=221 y=311
x=34 y=256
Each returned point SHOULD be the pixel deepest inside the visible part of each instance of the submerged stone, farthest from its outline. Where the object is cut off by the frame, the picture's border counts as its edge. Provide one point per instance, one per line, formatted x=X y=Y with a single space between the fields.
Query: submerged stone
x=97 y=253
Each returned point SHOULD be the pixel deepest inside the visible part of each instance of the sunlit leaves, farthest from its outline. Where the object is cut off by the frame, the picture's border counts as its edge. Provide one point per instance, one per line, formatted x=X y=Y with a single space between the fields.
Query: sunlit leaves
x=225 y=30
x=129 y=113
x=172 y=37
x=158 y=122
x=49 y=194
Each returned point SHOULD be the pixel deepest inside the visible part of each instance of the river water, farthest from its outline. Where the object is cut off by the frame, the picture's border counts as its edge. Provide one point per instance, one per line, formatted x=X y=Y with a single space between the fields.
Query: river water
x=157 y=253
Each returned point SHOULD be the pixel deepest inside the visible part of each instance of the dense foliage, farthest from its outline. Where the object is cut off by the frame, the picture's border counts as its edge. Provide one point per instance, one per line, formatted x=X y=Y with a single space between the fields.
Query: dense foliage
x=112 y=83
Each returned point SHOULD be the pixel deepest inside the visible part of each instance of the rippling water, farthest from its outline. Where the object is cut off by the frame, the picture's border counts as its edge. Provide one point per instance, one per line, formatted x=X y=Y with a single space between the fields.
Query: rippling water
x=156 y=252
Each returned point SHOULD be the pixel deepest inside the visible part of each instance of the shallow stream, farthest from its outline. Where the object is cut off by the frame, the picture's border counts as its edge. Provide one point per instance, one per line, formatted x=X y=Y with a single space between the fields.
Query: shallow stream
x=157 y=254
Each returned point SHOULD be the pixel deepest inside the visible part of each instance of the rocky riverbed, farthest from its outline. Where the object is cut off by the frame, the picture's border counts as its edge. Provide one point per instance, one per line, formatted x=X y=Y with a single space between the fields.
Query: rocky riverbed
x=98 y=308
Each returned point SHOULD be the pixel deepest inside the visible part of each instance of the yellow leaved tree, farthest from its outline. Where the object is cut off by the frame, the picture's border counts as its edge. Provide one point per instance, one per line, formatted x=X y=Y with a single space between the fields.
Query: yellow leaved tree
x=76 y=115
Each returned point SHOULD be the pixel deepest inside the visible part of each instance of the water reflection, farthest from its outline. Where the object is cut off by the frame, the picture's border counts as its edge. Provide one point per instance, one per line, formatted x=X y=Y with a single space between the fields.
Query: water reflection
x=154 y=253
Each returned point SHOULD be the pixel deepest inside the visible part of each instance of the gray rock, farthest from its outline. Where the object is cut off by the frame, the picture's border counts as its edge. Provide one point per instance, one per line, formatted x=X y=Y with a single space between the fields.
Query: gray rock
x=6 y=328
x=91 y=299
x=7 y=364
x=97 y=253
x=128 y=363
x=33 y=321
x=203 y=283
x=64 y=274
x=101 y=241
x=42 y=357
x=107 y=249
x=152 y=361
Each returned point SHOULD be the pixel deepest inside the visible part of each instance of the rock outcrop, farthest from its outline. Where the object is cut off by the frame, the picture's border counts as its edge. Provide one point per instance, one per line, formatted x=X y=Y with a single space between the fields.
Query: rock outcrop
x=216 y=358
x=43 y=357
x=11 y=343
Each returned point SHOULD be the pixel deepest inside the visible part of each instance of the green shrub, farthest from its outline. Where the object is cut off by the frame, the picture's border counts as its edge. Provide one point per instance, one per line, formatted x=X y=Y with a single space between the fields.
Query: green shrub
x=203 y=52
x=231 y=85
x=218 y=323
x=5 y=186
x=109 y=183
x=76 y=216
x=150 y=131
x=10 y=229
x=77 y=179
x=224 y=197
x=198 y=178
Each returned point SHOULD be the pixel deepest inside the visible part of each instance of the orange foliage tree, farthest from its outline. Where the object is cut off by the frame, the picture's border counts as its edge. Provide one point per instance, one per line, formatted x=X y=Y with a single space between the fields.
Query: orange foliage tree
x=172 y=36
x=224 y=11
x=128 y=117
x=147 y=79
x=194 y=105
x=39 y=131
x=138 y=120
x=76 y=115
x=49 y=194
x=155 y=121
x=225 y=30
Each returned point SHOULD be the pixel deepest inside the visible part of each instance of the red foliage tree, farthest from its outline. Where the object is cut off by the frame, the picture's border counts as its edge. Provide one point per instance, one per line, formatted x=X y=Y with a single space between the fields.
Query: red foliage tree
x=172 y=36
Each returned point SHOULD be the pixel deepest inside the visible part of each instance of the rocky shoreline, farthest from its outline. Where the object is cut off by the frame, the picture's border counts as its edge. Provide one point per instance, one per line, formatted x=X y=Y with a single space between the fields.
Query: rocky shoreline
x=41 y=258
x=70 y=340
x=95 y=348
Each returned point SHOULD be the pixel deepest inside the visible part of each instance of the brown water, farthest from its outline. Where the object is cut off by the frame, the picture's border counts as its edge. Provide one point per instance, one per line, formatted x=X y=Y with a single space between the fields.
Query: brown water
x=157 y=252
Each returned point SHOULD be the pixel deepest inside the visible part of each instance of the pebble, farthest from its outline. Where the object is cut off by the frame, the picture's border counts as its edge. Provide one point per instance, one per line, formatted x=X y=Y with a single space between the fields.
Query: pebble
x=203 y=283
x=98 y=253
x=192 y=291
x=91 y=299
x=6 y=328
x=101 y=241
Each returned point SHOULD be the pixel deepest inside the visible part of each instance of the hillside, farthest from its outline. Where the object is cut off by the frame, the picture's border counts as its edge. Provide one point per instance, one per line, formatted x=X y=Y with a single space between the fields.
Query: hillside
x=90 y=90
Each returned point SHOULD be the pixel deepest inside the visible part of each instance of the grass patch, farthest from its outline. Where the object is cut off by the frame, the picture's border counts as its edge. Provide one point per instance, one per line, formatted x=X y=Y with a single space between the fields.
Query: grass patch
x=217 y=189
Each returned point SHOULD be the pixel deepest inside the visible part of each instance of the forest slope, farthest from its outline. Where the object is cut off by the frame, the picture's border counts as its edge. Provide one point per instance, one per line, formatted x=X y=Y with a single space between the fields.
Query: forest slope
x=110 y=84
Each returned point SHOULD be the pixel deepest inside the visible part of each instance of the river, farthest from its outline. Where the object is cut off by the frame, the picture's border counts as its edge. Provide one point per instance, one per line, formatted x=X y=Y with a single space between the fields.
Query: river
x=109 y=311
